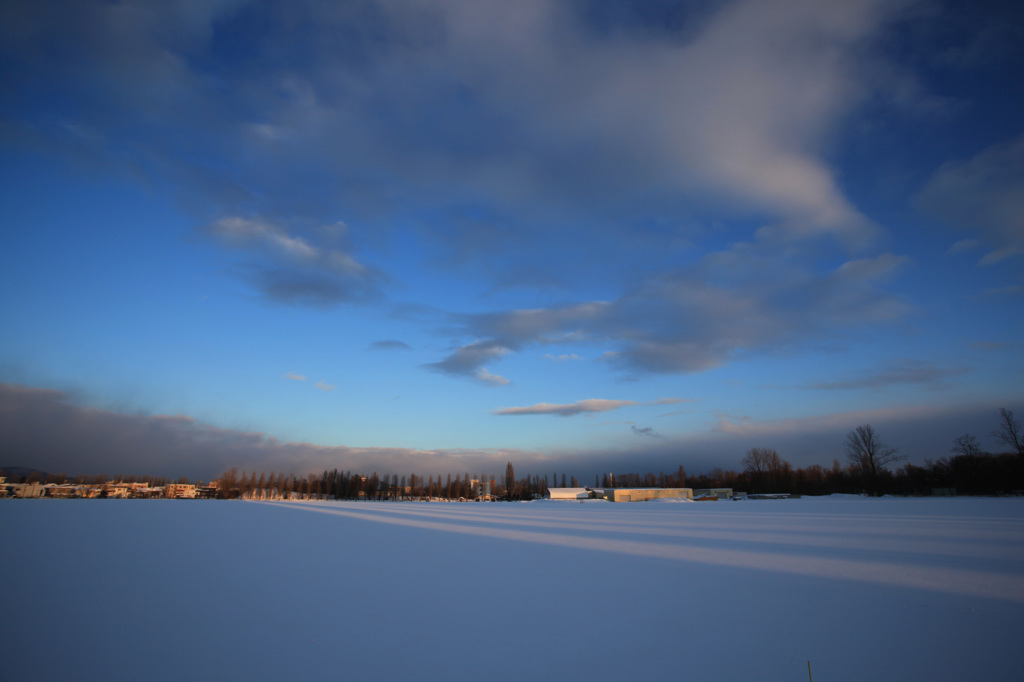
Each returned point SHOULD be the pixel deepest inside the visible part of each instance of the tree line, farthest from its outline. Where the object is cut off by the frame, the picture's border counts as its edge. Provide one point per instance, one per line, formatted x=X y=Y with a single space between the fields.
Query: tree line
x=17 y=475
x=967 y=470
x=869 y=469
x=338 y=484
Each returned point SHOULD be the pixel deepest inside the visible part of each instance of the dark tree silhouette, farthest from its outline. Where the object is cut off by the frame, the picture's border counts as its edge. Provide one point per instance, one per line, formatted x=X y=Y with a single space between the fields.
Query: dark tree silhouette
x=510 y=482
x=868 y=453
x=1009 y=431
x=966 y=445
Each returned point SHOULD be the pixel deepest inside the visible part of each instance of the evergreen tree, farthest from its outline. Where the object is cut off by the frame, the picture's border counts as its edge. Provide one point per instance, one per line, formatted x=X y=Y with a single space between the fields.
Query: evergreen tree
x=510 y=477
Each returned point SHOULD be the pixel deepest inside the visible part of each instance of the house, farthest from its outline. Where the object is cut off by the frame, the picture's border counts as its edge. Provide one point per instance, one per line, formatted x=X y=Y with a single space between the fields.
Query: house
x=64 y=490
x=482 y=489
x=208 y=491
x=149 y=493
x=644 y=494
x=180 y=491
x=118 y=491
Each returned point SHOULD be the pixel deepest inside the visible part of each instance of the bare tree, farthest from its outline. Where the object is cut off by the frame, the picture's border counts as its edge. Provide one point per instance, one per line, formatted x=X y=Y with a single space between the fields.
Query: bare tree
x=867 y=452
x=1009 y=431
x=228 y=483
x=966 y=445
x=764 y=466
x=759 y=461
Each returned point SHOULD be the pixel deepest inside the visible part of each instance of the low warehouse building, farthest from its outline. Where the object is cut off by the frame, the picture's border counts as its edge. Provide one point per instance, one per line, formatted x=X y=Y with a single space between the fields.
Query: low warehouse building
x=644 y=494
x=568 y=494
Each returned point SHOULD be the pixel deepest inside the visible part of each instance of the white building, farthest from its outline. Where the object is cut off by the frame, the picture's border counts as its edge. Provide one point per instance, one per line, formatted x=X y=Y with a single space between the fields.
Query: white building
x=568 y=494
x=180 y=491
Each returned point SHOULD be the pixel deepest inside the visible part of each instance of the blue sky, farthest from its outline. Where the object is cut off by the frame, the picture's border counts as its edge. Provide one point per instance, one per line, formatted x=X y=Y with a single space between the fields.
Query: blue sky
x=435 y=236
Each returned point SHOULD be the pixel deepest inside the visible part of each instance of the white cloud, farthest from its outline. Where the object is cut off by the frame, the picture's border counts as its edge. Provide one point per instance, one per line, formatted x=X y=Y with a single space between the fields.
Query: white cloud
x=295 y=377
x=483 y=376
x=239 y=230
x=568 y=410
x=870 y=269
x=591 y=405
x=737 y=109
x=742 y=110
x=324 y=386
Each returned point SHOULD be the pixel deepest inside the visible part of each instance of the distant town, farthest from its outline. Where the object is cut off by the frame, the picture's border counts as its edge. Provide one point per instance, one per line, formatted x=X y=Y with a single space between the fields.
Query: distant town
x=108 y=490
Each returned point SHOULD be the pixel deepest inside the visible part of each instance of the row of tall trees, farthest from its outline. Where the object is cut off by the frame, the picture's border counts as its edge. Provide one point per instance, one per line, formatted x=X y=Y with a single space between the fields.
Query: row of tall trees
x=648 y=480
x=348 y=485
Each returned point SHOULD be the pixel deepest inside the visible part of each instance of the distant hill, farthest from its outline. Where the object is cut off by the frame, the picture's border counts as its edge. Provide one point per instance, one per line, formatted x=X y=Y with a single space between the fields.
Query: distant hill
x=15 y=474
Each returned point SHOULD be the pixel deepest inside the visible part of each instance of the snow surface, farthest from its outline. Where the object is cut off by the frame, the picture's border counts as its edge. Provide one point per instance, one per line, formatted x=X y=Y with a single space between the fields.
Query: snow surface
x=866 y=589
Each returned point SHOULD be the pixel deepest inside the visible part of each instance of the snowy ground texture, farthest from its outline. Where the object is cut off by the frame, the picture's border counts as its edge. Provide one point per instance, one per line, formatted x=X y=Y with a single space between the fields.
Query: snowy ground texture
x=866 y=589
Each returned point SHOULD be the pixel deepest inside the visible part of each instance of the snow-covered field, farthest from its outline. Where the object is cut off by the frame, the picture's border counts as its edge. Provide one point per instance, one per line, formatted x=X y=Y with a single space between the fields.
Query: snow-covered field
x=865 y=589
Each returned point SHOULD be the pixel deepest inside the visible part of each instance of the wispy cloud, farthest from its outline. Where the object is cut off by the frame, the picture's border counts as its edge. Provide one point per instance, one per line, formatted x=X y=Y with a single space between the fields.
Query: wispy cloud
x=568 y=410
x=562 y=358
x=469 y=361
x=743 y=299
x=485 y=377
x=900 y=373
x=964 y=245
x=295 y=377
x=324 y=386
x=984 y=194
x=389 y=344
x=588 y=406
x=247 y=231
x=647 y=432
x=292 y=269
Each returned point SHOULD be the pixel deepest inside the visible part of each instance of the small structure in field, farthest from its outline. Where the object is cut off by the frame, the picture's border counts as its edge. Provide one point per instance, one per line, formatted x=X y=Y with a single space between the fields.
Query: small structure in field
x=712 y=493
x=568 y=494
x=644 y=494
